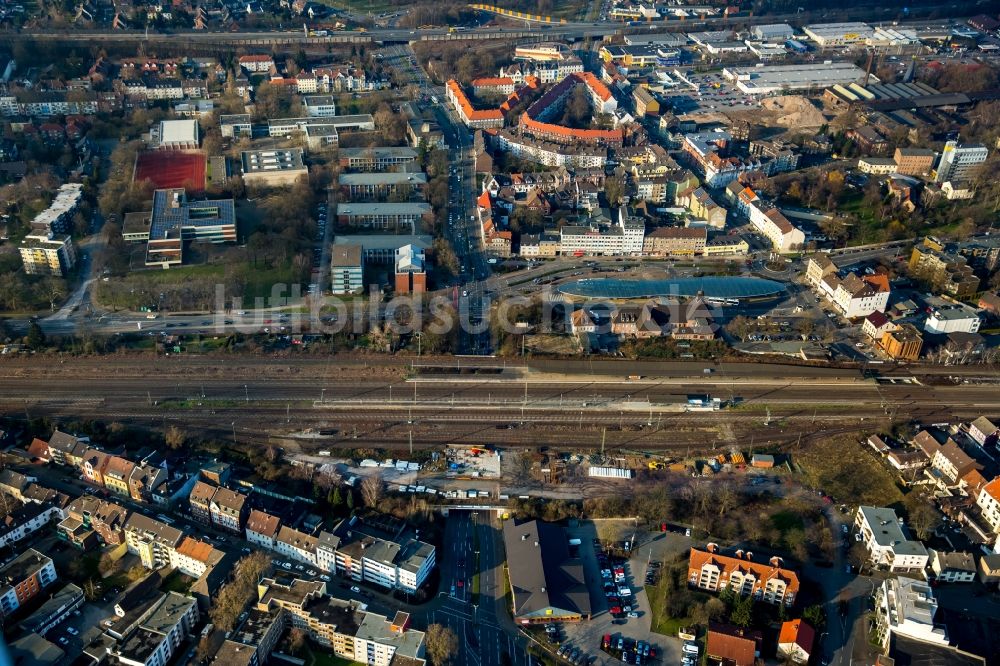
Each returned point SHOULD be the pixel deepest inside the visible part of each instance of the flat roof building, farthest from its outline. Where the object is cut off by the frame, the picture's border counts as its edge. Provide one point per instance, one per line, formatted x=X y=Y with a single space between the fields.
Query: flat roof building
x=178 y=134
x=58 y=216
x=378 y=185
x=906 y=607
x=175 y=220
x=234 y=125
x=320 y=106
x=376 y=158
x=271 y=168
x=382 y=248
x=347 y=268
x=887 y=545
x=156 y=639
x=286 y=126
x=47 y=254
x=838 y=34
x=771 y=79
x=383 y=215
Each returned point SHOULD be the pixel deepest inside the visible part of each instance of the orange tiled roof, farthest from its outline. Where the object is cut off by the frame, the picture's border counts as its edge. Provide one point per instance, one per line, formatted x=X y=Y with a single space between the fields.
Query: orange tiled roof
x=595 y=84
x=763 y=572
x=492 y=81
x=798 y=632
x=196 y=550
x=993 y=488
x=880 y=281
x=579 y=134
x=467 y=109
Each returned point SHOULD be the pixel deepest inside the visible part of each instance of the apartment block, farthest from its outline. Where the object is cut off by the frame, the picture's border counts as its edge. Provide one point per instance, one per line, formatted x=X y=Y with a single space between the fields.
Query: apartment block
x=47 y=254
x=888 y=546
x=356 y=552
x=158 y=637
x=24 y=578
x=769 y=582
x=151 y=540
x=342 y=626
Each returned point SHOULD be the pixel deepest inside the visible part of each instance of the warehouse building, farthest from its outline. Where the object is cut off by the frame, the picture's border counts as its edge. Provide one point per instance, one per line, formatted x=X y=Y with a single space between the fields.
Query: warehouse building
x=774 y=33
x=782 y=79
x=828 y=35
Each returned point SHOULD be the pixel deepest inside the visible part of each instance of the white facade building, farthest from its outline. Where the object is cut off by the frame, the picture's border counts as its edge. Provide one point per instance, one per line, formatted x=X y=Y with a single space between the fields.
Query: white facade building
x=956 y=318
x=887 y=545
x=958 y=162
x=906 y=607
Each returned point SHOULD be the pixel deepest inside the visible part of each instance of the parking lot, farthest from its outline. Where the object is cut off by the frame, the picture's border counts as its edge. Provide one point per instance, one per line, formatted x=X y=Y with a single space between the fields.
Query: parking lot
x=708 y=91
x=632 y=625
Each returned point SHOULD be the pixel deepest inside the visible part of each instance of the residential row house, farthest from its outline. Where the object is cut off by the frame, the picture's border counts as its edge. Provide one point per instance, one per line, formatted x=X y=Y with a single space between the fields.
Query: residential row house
x=855 y=296
x=349 y=550
x=220 y=506
x=143 y=481
x=91 y=522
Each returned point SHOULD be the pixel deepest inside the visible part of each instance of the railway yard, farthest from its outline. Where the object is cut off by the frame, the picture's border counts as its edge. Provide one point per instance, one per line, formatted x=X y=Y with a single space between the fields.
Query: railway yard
x=393 y=403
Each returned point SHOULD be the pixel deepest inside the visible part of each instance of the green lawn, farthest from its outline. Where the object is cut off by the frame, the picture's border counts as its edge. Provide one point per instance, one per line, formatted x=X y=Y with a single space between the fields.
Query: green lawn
x=327 y=659
x=177 y=582
x=662 y=623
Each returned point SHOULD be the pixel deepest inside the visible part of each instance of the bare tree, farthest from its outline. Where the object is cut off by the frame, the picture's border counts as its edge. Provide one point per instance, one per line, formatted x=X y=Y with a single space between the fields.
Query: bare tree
x=442 y=644
x=372 y=489
x=175 y=437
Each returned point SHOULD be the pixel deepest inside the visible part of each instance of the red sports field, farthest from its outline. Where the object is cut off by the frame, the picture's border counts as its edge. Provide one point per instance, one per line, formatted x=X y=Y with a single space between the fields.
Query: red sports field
x=172 y=168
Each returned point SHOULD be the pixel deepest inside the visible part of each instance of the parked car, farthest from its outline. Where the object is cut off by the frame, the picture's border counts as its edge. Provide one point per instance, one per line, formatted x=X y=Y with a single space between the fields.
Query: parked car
x=355 y=589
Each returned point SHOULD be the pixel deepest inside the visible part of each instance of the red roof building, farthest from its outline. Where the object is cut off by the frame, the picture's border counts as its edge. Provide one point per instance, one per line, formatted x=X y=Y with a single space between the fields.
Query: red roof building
x=796 y=641
x=709 y=570
x=732 y=646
